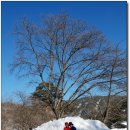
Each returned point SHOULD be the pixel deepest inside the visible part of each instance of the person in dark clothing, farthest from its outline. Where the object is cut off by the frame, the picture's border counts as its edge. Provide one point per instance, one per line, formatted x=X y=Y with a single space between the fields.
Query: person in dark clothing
x=72 y=126
x=66 y=126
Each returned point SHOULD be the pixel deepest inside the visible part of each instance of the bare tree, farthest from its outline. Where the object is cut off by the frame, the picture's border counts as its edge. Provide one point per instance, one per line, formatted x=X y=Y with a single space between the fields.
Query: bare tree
x=65 y=53
x=116 y=113
x=115 y=79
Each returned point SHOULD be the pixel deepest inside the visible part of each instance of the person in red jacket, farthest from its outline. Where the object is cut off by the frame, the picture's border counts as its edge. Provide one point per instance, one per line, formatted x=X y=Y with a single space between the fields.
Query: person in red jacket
x=66 y=126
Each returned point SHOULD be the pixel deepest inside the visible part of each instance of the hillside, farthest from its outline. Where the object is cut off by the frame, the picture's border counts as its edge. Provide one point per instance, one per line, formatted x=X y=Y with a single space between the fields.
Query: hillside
x=14 y=115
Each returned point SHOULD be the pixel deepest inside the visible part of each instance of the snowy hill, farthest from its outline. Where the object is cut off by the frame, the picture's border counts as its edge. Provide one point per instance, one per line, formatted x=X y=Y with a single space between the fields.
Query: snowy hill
x=79 y=123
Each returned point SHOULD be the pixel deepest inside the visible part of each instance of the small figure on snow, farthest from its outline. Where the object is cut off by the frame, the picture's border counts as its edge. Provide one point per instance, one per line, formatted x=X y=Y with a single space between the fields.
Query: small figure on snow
x=71 y=126
x=66 y=126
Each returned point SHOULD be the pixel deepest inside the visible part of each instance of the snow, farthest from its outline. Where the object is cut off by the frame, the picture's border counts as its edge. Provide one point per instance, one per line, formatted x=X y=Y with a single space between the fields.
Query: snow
x=78 y=122
x=124 y=110
x=124 y=123
x=86 y=103
x=79 y=105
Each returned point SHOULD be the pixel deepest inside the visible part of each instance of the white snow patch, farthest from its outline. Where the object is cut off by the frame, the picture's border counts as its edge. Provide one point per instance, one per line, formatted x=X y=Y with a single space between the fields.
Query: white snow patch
x=78 y=122
x=86 y=103
x=79 y=105
x=124 y=123
x=124 y=110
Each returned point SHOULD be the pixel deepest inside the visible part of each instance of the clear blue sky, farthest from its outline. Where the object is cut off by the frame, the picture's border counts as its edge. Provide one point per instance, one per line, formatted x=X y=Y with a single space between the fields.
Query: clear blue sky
x=108 y=17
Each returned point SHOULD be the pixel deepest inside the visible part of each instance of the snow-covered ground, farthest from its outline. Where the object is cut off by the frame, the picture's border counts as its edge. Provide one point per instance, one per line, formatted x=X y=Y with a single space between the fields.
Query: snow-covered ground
x=78 y=122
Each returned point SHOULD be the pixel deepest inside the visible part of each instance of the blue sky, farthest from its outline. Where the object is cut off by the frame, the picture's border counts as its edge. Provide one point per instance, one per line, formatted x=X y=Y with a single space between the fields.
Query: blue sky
x=108 y=17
